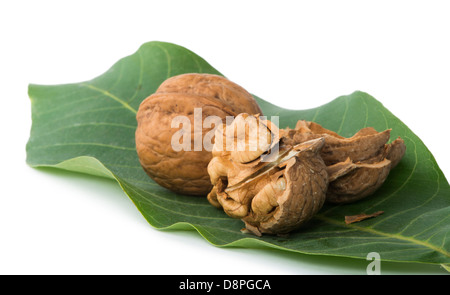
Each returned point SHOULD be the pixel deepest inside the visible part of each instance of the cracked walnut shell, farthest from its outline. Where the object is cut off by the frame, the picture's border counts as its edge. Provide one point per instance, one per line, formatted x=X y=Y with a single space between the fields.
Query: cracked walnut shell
x=357 y=166
x=276 y=191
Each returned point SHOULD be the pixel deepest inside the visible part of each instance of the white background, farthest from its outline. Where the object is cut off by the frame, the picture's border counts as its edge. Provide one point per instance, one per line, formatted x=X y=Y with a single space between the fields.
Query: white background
x=296 y=54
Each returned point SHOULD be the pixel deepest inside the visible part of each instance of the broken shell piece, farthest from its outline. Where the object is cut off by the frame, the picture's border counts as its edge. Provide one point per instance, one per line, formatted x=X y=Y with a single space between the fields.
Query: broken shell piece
x=354 y=181
x=365 y=144
x=361 y=217
x=357 y=166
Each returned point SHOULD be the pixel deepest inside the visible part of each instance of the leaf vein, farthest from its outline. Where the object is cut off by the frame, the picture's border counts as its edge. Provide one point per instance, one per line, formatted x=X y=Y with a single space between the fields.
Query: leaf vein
x=389 y=235
x=110 y=95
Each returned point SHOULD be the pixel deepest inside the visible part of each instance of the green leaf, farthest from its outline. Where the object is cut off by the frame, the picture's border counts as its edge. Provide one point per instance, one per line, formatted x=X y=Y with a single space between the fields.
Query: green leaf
x=89 y=127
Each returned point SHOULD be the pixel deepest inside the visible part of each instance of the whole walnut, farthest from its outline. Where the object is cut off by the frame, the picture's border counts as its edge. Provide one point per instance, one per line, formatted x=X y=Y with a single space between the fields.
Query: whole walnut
x=180 y=100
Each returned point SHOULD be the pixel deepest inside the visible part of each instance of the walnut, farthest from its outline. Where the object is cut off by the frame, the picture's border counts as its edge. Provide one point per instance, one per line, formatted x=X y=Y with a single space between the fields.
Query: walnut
x=357 y=166
x=276 y=180
x=277 y=187
x=185 y=171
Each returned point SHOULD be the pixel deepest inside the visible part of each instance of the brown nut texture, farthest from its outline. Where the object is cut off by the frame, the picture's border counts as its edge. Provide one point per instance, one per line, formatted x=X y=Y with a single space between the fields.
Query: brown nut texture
x=357 y=166
x=275 y=192
x=185 y=170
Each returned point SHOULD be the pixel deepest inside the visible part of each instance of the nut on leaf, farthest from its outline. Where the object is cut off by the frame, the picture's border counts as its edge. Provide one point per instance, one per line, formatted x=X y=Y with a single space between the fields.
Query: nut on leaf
x=185 y=171
x=274 y=193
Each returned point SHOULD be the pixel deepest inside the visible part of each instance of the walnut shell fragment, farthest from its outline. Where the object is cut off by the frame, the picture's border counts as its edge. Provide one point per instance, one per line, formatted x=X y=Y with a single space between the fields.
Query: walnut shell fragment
x=185 y=170
x=361 y=217
x=357 y=166
x=275 y=192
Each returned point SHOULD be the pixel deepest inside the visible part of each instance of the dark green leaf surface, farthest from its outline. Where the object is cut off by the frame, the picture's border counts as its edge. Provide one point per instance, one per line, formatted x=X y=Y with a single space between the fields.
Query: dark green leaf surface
x=89 y=127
